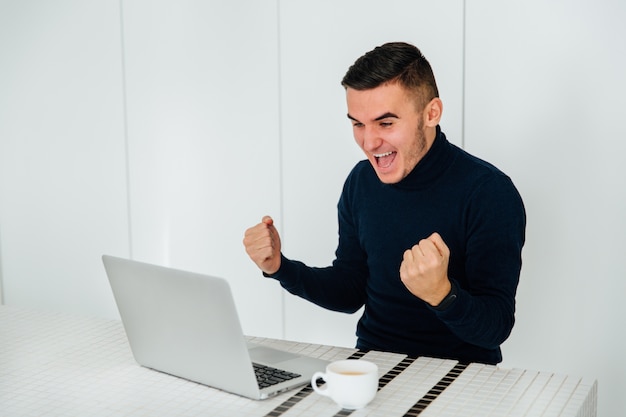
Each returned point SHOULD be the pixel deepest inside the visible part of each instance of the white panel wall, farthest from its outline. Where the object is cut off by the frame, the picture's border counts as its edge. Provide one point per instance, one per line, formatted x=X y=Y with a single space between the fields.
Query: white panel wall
x=319 y=41
x=62 y=164
x=196 y=165
x=546 y=96
x=202 y=95
x=234 y=110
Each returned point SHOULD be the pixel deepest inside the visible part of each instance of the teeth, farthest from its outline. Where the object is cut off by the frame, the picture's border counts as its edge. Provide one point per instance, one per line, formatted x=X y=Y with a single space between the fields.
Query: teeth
x=380 y=155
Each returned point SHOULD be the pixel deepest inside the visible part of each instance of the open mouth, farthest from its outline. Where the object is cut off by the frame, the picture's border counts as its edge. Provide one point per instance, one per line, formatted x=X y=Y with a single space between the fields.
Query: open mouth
x=384 y=160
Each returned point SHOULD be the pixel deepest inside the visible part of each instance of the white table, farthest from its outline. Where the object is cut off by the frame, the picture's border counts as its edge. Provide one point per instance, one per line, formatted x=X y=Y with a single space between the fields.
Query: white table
x=65 y=365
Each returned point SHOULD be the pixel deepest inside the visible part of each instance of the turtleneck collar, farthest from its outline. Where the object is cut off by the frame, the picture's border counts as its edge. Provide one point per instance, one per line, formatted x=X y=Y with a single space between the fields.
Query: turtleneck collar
x=431 y=166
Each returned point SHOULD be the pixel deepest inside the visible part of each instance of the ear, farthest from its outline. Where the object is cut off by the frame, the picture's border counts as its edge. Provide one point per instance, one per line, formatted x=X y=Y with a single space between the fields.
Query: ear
x=432 y=112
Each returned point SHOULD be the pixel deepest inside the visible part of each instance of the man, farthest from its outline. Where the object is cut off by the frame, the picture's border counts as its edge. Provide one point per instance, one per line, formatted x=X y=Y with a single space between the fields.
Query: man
x=430 y=237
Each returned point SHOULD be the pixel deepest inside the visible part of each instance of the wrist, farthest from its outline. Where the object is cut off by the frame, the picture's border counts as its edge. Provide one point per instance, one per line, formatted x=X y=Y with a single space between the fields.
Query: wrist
x=267 y=271
x=449 y=299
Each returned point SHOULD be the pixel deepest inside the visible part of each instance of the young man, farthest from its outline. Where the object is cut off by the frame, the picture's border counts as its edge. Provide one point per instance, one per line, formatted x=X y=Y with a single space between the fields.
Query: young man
x=430 y=237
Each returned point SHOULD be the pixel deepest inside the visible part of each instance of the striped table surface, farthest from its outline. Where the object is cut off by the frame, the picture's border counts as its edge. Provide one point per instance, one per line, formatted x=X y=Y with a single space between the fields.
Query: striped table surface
x=63 y=365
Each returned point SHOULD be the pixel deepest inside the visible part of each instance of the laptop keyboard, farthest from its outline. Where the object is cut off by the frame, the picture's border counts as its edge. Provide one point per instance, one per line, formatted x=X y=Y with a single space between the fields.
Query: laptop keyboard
x=267 y=376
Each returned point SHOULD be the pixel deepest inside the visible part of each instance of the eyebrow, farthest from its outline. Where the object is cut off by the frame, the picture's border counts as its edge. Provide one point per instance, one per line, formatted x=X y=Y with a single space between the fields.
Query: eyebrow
x=381 y=117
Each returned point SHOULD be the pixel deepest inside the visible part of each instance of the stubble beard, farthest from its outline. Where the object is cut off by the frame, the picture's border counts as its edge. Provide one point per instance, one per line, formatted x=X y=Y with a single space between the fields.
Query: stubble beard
x=419 y=148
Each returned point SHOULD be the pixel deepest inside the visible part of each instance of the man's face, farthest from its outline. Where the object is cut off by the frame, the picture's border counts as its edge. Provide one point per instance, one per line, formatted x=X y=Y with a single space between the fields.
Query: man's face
x=389 y=129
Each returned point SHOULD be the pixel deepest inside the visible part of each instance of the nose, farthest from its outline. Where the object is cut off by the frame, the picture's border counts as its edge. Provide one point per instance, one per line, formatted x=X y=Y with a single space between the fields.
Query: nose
x=370 y=140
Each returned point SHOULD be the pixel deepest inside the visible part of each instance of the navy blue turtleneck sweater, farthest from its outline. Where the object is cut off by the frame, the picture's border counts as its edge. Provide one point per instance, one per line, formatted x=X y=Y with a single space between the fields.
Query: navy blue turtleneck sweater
x=480 y=216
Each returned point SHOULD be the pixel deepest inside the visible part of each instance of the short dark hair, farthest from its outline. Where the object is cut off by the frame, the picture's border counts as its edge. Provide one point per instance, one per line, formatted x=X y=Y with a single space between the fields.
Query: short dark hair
x=394 y=62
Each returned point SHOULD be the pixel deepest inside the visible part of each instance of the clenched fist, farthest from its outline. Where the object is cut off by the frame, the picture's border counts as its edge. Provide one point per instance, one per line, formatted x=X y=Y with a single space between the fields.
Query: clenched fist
x=262 y=244
x=424 y=269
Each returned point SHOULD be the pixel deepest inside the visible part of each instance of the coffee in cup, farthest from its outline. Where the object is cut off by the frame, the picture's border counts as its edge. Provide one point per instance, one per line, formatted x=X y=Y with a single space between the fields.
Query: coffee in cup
x=351 y=383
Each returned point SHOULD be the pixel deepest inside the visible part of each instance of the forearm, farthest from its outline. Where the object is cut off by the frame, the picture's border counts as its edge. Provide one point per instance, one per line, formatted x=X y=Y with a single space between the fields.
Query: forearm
x=335 y=287
x=484 y=311
x=484 y=321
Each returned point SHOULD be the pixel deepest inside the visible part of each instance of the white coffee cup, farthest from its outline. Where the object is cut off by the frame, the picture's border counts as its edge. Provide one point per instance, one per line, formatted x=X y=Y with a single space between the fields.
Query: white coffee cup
x=351 y=383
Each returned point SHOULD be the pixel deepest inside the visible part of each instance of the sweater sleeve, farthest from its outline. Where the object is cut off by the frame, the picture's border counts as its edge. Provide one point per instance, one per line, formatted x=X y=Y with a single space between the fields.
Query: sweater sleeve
x=331 y=287
x=340 y=287
x=484 y=312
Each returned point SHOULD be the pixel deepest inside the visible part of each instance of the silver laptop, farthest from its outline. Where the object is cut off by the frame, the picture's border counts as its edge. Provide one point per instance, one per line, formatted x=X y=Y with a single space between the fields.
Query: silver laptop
x=185 y=324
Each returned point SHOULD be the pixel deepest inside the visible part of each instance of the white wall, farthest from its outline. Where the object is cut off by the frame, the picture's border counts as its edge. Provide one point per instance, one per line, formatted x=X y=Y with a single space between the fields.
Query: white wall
x=161 y=130
x=203 y=133
x=62 y=157
x=545 y=98
x=139 y=128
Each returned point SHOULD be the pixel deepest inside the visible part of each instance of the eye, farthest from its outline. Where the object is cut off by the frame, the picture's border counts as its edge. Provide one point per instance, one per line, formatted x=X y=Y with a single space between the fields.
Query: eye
x=357 y=124
x=386 y=124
